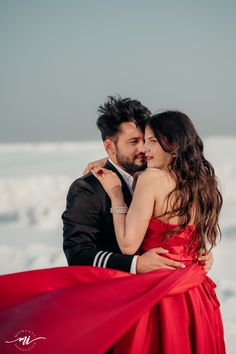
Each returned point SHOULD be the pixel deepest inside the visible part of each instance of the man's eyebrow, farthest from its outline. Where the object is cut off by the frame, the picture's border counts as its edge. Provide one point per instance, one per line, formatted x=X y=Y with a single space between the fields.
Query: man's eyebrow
x=135 y=138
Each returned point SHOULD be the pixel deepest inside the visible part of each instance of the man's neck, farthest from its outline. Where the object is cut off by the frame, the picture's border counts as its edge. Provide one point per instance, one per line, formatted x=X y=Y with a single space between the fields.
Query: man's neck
x=116 y=165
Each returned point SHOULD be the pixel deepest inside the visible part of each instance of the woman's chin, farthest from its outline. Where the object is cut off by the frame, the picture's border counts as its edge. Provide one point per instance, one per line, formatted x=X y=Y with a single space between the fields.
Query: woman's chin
x=151 y=164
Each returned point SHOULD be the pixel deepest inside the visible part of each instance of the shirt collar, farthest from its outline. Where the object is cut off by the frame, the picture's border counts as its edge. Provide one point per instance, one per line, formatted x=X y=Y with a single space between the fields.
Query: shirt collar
x=125 y=175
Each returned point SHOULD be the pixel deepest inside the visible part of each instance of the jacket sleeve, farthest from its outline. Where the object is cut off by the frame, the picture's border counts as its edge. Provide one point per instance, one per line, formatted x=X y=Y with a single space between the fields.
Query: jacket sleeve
x=82 y=222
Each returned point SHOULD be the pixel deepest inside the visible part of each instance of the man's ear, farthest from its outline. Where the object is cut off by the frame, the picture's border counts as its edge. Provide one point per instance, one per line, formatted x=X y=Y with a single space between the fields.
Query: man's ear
x=109 y=146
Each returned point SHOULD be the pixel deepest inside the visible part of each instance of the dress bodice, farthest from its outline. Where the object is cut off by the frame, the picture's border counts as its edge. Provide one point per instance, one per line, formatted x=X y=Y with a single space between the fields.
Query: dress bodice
x=181 y=245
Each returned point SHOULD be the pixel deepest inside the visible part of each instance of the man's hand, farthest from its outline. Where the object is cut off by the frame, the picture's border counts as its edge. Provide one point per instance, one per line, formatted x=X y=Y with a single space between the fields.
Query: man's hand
x=207 y=260
x=151 y=260
x=97 y=163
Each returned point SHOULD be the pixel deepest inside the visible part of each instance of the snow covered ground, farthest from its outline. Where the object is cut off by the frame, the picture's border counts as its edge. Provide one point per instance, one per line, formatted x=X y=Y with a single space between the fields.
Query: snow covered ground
x=34 y=180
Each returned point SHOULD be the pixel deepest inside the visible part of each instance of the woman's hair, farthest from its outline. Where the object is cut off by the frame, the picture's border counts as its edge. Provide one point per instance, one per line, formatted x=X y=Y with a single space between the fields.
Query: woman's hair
x=117 y=110
x=196 y=189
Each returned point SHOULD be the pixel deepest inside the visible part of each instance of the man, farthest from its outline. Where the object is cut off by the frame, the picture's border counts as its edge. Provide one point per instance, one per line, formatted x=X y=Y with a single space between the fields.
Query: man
x=89 y=237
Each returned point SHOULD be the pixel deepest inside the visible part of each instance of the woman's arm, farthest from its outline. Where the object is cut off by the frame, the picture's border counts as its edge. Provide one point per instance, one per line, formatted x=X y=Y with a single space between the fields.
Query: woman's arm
x=130 y=229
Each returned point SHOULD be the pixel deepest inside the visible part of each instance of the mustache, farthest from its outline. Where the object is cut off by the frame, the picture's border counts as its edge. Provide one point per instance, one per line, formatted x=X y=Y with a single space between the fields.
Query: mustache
x=141 y=154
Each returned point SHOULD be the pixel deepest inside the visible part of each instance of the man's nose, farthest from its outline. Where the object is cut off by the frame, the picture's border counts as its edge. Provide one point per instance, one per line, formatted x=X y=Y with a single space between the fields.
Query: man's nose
x=141 y=146
x=144 y=147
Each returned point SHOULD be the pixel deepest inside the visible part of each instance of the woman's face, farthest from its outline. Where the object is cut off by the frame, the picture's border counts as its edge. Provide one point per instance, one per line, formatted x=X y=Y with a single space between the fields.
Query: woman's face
x=156 y=157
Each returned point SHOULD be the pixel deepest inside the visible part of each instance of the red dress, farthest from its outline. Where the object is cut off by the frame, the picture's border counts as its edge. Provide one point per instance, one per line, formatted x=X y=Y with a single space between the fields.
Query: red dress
x=87 y=310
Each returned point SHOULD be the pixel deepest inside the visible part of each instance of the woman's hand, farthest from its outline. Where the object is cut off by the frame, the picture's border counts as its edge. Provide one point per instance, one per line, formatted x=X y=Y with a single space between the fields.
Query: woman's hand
x=97 y=163
x=110 y=182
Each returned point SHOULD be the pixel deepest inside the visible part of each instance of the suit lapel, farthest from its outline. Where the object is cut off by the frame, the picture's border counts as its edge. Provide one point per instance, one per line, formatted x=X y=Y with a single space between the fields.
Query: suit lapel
x=125 y=189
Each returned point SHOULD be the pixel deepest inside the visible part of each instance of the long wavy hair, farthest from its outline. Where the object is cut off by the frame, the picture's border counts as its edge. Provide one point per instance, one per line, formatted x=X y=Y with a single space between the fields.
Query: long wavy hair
x=196 y=187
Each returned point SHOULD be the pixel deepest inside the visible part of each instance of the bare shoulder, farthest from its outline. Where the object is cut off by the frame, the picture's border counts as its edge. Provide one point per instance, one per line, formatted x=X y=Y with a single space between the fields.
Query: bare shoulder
x=154 y=173
x=161 y=179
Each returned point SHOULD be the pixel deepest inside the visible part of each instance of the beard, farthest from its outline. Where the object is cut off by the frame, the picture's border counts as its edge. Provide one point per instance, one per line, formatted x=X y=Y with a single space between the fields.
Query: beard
x=130 y=165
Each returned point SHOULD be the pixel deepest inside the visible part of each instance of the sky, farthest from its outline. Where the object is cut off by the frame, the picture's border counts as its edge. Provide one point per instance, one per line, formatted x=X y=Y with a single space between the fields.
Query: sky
x=60 y=59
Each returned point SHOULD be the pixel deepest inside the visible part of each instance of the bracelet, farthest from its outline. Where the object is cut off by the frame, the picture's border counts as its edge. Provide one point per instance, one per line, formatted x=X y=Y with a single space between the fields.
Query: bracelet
x=119 y=210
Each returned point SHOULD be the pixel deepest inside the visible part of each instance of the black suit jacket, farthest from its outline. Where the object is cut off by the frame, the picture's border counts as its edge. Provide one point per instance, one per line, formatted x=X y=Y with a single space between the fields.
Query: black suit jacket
x=89 y=237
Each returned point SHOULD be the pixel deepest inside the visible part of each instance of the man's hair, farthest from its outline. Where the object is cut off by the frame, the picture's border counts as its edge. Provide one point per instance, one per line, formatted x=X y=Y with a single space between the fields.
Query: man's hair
x=117 y=110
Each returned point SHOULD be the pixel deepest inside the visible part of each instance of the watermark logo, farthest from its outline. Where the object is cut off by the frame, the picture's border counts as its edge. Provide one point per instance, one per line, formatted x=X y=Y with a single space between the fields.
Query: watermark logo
x=24 y=340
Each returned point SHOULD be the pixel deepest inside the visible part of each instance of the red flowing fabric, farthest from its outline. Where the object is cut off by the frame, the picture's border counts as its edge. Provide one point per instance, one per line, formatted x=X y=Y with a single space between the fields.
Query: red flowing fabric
x=87 y=310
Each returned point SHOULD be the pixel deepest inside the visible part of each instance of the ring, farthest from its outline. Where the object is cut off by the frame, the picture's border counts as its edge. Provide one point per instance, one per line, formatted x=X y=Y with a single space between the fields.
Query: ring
x=100 y=172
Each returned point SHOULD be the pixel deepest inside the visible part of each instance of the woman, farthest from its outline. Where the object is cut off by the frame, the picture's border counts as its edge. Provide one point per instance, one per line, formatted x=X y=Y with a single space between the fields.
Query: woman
x=176 y=204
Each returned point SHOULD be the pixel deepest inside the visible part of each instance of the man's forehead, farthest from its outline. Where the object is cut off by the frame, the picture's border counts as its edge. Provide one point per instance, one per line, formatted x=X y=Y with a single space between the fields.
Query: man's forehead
x=129 y=129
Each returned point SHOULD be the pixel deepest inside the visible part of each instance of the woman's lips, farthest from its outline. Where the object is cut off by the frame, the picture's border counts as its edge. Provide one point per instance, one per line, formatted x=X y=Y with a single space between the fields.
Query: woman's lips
x=149 y=158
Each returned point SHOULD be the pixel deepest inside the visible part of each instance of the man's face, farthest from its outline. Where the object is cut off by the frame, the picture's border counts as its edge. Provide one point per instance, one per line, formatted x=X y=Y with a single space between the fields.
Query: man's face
x=128 y=148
